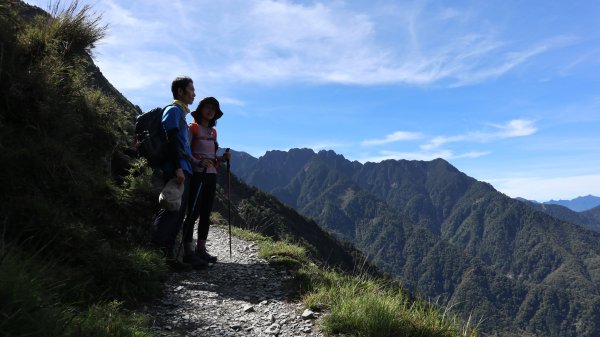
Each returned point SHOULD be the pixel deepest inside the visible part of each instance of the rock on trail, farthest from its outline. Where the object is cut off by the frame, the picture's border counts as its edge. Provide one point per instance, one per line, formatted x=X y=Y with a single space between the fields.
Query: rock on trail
x=238 y=296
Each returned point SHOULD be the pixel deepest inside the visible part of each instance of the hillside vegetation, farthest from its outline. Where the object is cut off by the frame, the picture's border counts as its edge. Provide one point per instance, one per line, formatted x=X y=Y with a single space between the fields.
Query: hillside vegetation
x=70 y=248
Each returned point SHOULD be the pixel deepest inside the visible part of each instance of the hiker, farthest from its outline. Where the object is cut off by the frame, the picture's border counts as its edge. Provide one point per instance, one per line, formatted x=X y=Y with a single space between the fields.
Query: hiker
x=203 y=141
x=177 y=169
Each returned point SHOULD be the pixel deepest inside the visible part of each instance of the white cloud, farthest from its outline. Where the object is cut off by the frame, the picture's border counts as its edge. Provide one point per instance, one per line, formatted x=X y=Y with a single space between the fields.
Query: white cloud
x=471 y=154
x=421 y=155
x=231 y=101
x=438 y=141
x=325 y=145
x=511 y=129
x=392 y=138
x=544 y=188
x=514 y=128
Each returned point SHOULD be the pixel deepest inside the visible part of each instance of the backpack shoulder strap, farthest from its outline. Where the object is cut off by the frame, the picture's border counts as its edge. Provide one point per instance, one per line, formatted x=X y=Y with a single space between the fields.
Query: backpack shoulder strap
x=182 y=121
x=215 y=140
x=194 y=134
x=195 y=130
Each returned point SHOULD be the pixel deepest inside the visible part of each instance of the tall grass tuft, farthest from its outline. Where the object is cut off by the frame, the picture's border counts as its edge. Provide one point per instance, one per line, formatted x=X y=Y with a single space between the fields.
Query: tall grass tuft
x=68 y=31
x=366 y=307
x=108 y=319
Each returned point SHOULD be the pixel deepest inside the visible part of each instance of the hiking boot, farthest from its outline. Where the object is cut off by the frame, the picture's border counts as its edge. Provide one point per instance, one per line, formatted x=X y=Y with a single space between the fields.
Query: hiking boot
x=195 y=260
x=173 y=263
x=206 y=256
x=178 y=266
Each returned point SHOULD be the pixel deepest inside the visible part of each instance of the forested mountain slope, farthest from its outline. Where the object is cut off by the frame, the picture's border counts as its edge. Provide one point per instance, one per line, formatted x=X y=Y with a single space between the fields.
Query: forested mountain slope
x=448 y=235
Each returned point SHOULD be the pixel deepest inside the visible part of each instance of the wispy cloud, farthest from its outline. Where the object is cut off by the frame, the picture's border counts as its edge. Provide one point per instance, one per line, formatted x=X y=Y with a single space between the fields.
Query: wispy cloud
x=475 y=73
x=511 y=129
x=421 y=155
x=392 y=138
x=326 y=145
x=231 y=101
x=514 y=128
x=270 y=42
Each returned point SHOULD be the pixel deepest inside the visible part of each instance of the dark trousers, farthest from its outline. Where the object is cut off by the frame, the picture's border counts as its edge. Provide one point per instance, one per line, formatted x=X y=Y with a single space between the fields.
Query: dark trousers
x=203 y=207
x=167 y=224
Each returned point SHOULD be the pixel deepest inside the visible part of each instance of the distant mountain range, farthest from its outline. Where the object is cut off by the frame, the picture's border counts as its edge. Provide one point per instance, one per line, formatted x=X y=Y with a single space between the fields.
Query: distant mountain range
x=589 y=219
x=578 y=204
x=447 y=236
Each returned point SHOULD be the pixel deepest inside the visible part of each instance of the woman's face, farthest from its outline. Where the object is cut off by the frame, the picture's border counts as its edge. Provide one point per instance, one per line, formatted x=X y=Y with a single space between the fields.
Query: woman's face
x=208 y=112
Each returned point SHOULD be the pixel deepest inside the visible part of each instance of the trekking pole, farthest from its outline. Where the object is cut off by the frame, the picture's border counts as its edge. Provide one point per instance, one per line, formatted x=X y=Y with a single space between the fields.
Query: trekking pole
x=194 y=205
x=229 y=199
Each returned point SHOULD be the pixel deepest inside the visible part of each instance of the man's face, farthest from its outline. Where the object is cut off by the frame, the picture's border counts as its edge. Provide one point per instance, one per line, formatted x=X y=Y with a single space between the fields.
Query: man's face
x=187 y=96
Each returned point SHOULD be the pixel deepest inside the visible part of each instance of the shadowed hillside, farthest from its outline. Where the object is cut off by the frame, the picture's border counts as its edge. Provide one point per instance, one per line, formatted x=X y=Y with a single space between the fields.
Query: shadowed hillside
x=71 y=248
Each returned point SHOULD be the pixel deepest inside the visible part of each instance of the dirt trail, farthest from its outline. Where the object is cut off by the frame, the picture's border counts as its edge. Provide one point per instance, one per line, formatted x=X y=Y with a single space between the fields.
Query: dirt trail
x=239 y=296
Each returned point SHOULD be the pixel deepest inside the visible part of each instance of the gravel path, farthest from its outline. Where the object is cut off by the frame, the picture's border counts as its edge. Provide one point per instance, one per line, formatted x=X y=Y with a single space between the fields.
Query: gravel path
x=238 y=296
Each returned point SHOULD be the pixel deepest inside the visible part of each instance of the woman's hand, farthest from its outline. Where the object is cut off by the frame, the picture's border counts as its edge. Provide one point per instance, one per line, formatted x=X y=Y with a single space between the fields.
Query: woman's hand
x=226 y=156
x=207 y=163
x=180 y=176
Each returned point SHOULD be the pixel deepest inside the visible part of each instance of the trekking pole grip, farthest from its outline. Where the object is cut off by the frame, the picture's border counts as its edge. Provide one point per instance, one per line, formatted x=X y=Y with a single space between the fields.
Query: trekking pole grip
x=228 y=160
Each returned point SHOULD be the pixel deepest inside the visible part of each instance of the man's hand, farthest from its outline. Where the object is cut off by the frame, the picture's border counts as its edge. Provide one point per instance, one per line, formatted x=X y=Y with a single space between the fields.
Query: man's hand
x=180 y=176
x=206 y=163
x=226 y=156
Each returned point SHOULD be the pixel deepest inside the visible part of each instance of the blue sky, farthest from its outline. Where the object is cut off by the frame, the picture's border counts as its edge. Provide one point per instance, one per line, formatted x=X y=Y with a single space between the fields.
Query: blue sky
x=507 y=91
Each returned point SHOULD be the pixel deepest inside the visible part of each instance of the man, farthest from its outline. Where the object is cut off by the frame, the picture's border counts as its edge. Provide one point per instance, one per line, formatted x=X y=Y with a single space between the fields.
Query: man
x=167 y=224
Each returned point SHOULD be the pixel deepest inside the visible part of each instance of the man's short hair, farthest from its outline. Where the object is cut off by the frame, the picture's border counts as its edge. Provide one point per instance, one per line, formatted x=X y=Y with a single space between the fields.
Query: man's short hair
x=180 y=83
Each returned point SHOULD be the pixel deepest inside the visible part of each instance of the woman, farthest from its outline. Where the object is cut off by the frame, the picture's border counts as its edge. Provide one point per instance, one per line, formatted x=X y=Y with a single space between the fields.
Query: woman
x=203 y=137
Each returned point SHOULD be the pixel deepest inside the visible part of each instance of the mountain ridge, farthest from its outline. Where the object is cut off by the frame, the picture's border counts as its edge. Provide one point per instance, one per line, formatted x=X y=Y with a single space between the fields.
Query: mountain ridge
x=509 y=238
x=589 y=219
x=579 y=204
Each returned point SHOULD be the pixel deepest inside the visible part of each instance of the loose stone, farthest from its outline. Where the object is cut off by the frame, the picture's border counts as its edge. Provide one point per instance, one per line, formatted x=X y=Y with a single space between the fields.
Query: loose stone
x=308 y=314
x=273 y=329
